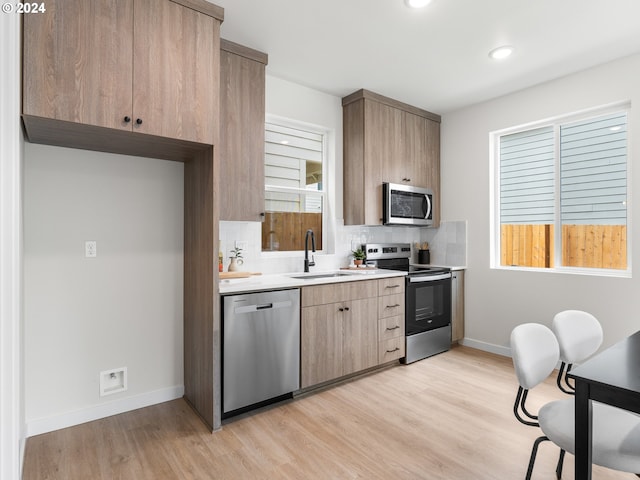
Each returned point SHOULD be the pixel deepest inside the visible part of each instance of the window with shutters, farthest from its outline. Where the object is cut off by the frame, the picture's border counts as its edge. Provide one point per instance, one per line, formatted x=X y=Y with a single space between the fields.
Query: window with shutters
x=560 y=195
x=295 y=195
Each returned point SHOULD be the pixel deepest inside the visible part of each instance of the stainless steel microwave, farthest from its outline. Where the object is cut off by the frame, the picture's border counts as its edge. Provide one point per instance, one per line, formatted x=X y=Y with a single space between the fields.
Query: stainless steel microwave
x=407 y=205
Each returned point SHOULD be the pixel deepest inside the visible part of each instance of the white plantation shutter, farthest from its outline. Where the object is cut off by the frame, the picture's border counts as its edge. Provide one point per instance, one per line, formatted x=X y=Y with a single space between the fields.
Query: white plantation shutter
x=289 y=154
x=593 y=166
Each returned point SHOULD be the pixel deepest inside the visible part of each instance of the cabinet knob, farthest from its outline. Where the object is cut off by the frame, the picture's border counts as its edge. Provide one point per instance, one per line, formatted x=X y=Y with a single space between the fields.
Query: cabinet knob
x=127 y=119
x=346 y=308
x=139 y=121
x=341 y=309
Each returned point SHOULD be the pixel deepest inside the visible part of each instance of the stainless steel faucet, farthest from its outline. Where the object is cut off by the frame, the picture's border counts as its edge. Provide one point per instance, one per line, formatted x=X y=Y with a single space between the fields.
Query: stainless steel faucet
x=308 y=263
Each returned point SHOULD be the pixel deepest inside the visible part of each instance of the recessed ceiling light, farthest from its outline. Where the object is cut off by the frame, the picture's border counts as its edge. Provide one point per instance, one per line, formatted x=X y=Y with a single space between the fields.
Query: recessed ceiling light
x=615 y=129
x=501 y=52
x=417 y=3
x=284 y=142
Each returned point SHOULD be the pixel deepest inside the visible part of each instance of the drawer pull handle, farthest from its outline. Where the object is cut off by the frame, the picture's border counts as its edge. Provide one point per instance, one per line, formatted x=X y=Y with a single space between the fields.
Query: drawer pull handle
x=393 y=306
x=394 y=350
x=392 y=286
x=393 y=328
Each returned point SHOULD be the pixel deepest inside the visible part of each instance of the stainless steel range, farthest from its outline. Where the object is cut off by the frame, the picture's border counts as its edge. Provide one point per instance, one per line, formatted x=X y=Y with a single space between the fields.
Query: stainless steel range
x=427 y=299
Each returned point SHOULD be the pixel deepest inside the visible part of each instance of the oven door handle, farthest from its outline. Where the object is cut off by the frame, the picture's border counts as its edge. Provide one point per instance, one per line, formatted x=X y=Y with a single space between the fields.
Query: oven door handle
x=428 y=278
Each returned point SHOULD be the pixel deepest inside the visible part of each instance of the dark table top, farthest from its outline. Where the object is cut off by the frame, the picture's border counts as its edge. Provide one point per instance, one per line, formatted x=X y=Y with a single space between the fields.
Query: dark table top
x=618 y=366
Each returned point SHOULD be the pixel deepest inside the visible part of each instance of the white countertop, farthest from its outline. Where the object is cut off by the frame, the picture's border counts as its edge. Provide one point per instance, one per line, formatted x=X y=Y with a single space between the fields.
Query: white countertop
x=286 y=280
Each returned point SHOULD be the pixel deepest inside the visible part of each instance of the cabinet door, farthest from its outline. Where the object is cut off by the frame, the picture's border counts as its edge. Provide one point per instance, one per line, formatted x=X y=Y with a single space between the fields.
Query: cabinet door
x=382 y=153
x=242 y=109
x=360 y=335
x=433 y=166
x=414 y=148
x=457 y=306
x=175 y=82
x=79 y=62
x=321 y=344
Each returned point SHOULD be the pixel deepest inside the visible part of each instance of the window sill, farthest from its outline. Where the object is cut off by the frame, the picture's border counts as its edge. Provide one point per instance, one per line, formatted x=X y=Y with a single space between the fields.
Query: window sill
x=594 y=272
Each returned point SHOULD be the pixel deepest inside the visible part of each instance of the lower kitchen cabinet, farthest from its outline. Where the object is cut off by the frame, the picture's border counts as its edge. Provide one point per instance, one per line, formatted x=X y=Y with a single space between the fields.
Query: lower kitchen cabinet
x=339 y=331
x=457 y=305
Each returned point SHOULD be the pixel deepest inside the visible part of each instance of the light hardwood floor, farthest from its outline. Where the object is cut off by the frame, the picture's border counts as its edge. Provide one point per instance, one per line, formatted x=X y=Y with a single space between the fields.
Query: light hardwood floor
x=446 y=417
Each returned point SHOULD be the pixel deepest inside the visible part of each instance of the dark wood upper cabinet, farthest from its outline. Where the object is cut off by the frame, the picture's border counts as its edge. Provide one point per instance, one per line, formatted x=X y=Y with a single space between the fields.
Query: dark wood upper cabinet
x=386 y=141
x=242 y=114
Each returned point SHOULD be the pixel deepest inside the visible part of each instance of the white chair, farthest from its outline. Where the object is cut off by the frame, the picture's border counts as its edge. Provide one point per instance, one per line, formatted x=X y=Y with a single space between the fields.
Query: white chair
x=616 y=433
x=579 y=335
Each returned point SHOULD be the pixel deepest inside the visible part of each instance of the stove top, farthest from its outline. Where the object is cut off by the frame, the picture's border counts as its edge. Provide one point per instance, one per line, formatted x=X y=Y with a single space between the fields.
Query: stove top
x=395 y=256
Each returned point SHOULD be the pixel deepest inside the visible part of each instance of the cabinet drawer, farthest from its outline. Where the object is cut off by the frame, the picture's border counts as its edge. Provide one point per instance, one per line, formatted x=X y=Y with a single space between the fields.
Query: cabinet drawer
x=391 y=305
x=391 y=327
x=339 y=292
x=390 y=286
x=391 y=349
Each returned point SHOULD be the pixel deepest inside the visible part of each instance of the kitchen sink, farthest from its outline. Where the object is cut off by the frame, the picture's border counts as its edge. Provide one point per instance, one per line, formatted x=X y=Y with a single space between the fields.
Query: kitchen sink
x=320 y=275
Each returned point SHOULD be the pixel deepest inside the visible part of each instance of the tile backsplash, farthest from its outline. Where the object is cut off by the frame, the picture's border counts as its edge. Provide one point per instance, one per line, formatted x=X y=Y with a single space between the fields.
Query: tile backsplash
x=448 y=245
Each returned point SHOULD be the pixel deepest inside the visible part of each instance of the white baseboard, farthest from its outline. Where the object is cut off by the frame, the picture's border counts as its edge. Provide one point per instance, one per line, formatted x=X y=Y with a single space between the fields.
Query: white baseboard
x=69 y=419
x=487 y=347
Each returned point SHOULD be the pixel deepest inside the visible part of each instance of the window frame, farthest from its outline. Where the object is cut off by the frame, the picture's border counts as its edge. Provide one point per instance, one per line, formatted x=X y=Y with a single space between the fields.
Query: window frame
x=556 y=122
x=324 y=193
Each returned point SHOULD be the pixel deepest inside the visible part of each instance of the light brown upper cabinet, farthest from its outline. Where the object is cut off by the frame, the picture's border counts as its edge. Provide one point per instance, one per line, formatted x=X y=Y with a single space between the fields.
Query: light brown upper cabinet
x=145 y=66
x=242 y=111
x=386 y=141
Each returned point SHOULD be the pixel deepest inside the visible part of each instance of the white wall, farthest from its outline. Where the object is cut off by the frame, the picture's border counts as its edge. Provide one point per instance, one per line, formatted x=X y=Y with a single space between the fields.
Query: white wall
x=11 y=360
x=498 y=300
x=122 y=308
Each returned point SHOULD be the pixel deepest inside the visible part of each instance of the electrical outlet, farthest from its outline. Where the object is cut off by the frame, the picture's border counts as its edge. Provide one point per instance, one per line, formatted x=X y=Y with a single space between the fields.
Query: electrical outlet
x=113 y=381
x=90 y=249
x=244 y=245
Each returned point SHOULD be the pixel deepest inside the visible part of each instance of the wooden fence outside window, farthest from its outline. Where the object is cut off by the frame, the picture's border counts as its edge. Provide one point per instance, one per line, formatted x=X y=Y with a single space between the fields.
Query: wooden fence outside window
x=285 y=231
x=587 y=246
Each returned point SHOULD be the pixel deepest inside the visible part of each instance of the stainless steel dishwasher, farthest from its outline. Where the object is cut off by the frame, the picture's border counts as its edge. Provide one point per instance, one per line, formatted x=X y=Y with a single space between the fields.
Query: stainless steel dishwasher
x=261 y=348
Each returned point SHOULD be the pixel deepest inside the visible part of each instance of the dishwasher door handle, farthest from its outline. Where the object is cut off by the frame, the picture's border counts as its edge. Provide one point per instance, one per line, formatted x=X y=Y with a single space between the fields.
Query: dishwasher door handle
x=263 y=306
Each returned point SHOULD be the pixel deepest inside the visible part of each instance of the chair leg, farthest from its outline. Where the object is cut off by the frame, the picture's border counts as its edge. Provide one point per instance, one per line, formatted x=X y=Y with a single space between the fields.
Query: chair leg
x=562 y=375
x=566 y=379
x=560 y=464
x=534 y=452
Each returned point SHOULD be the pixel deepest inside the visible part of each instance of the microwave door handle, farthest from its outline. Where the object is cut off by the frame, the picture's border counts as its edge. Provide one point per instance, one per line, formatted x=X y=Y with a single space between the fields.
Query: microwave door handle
x=426 y=206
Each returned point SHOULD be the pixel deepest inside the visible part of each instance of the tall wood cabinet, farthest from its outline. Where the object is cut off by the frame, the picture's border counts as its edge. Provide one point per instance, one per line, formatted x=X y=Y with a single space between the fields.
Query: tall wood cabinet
x=386 y=141
x=91 y=70
x=143 y=66
x=242 y=112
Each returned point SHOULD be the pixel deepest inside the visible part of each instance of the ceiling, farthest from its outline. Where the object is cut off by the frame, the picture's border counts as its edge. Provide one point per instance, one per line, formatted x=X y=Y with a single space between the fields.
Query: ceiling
x=435 y=58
